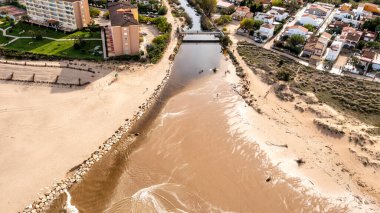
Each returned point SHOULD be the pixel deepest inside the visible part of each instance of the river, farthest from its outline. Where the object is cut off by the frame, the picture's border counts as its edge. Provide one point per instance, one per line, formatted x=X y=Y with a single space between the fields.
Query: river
x=187 y=157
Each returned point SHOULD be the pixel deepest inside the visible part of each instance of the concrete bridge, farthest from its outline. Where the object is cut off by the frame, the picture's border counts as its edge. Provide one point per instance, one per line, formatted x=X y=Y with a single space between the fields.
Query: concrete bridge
x=201 y=36
x=196 y=32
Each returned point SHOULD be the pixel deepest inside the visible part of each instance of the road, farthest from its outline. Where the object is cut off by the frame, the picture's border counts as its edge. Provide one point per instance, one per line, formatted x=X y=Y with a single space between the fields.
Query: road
x=269 y=44
x=327 y=22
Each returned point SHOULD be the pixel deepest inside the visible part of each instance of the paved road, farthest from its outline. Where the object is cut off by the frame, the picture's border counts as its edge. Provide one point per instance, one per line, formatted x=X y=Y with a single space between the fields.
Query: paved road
x=327 y=21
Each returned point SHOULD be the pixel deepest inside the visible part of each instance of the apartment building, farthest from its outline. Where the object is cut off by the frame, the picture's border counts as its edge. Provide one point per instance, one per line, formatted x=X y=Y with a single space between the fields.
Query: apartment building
x=66 y=14
x=121 y=37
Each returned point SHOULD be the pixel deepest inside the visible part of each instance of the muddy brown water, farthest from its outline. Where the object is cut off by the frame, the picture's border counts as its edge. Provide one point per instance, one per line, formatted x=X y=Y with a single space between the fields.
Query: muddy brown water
x=187 y=158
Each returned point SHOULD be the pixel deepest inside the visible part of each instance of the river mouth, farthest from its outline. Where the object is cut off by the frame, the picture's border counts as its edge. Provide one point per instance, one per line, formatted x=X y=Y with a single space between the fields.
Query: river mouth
x=187 y=156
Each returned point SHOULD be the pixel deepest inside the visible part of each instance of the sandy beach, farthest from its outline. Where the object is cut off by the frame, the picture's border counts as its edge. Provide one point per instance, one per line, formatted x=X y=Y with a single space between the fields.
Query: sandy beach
x=332 y=167
x=36 y=121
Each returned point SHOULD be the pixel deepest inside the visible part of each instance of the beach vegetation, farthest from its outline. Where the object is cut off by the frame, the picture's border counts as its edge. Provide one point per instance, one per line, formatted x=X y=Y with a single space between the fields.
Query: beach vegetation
x=359 y=98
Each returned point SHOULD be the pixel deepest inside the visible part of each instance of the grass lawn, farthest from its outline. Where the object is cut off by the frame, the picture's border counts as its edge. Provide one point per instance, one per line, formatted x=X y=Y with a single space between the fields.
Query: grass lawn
x=26 y=29
x=4 y=39
x=57 y=48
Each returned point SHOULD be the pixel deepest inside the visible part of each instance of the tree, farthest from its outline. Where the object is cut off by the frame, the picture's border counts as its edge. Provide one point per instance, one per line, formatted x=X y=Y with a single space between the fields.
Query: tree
x=25 y=18
x=283 y=75
x=257 y=24
x=295 y=40
x=361 y=44
x=227 y=11
x=106 y=15
x=246 y=24
x=292 y=6
x=163 y=10
x=256 y=7
x=224 y=19
x=225 y=41
x=94 y=12
x=373 y=44
x=38 y=37
x=208 y=6
x=355 y=61
x=79 y=42
x=11 y=21
x=372 y=24
x=309 y=27
x=162 y=24
x=277 y=3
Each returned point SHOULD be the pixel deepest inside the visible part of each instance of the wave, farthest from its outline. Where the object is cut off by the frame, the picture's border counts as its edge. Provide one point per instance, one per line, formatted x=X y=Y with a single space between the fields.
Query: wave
x=163 y=197
x=69 y=207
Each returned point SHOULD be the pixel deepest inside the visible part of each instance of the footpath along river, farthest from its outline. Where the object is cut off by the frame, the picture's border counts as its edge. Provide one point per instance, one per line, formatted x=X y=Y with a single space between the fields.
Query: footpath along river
x=189 y=156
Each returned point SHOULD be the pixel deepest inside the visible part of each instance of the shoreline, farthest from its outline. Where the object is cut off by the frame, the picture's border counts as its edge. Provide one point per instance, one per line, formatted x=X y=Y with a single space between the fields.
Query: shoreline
x=80 y=170
x=283 y=152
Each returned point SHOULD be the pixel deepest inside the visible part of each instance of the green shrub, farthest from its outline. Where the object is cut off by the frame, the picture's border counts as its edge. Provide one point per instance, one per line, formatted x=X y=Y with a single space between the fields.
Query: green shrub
x=283 y=75
x=163 y=10
x=94 y=12
x=224 y=19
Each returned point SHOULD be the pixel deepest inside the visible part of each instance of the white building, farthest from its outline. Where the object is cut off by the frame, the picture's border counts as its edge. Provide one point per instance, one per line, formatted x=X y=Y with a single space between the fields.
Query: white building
x=310 y=19
x=68 y=14
x=333 y=51
x=266 y=18
x=267 y=30
x=278 y=8
x=376 y=63
x=318 y=9
x=223 y=4
x=279 y=15
x=347 y=17
x=296 y=30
